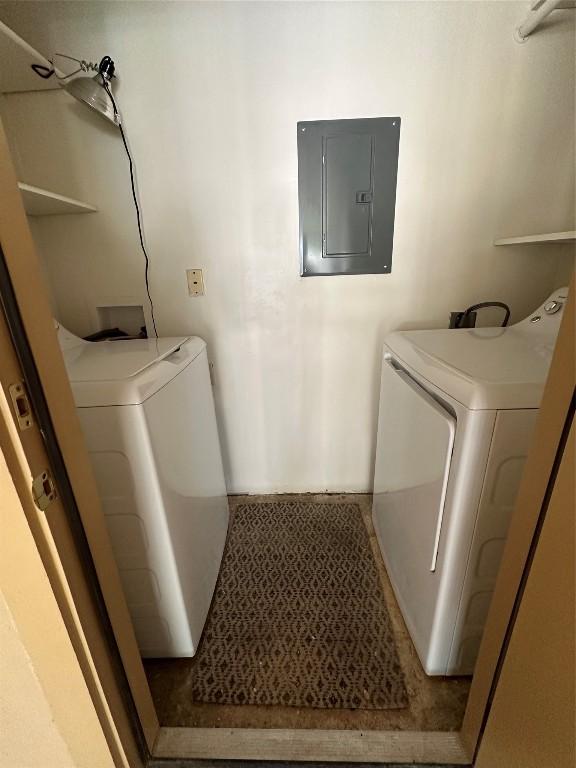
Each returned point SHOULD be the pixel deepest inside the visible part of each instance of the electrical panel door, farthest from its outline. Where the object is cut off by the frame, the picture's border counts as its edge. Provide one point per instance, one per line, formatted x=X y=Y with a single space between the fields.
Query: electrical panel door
x=347 y=193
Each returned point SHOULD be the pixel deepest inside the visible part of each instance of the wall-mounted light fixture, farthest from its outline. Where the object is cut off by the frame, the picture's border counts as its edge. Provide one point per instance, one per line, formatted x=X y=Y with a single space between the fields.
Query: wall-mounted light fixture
x=96 y=91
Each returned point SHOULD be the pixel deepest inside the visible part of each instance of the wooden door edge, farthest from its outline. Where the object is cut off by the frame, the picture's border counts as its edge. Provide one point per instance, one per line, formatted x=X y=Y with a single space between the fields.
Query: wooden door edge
x=552 y=416
x=21 y=481
x=23 y=452
x=535 y=696
x=45 y=638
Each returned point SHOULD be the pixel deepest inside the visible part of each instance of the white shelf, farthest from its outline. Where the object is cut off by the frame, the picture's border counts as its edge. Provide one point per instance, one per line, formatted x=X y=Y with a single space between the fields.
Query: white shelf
x=16 y=58
x=552 y=237
x=41 y=202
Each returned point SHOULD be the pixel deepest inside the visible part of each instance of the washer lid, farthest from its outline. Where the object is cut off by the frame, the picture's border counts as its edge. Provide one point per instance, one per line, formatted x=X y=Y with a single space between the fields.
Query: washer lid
x=116 y=359
x=482 y=368
x=126 y=372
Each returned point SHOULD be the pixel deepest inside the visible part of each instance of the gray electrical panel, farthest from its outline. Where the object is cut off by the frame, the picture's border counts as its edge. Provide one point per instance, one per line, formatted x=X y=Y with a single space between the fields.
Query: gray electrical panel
x=347 y=194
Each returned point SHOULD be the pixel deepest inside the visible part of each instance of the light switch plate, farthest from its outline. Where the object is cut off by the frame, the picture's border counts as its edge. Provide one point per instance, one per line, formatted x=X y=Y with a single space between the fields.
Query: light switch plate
x=195 y=282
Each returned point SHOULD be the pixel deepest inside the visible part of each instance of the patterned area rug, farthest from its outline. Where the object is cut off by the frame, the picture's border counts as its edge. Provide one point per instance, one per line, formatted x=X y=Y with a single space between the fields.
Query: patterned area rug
x=299 y=617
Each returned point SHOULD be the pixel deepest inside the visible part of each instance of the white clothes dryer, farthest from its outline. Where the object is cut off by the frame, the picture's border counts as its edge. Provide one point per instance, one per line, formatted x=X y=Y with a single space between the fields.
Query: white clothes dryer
x=457 y=413
x=147 y=413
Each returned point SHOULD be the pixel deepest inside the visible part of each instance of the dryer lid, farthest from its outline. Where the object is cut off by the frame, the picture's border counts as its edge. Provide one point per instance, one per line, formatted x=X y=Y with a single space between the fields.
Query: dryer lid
x=485 y=368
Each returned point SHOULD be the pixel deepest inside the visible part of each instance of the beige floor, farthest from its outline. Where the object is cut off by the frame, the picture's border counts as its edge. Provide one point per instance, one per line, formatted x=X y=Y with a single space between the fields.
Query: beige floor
x=435 y=703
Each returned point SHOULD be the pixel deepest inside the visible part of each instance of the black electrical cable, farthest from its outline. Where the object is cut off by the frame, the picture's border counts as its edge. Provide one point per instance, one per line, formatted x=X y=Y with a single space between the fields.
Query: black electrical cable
x=135 y=198
x=483 y=305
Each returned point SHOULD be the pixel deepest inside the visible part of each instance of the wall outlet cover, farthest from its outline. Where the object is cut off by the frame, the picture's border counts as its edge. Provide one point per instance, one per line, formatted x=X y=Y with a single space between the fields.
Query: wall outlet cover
x=195 y=280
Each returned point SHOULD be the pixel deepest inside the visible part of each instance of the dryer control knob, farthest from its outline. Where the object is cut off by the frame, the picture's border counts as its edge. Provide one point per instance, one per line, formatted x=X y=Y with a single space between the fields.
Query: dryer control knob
x=552 y=306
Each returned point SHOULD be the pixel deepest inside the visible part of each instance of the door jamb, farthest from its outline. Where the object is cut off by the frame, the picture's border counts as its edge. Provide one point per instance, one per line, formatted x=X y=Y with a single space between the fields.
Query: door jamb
x=531 y=499
x=24 y=369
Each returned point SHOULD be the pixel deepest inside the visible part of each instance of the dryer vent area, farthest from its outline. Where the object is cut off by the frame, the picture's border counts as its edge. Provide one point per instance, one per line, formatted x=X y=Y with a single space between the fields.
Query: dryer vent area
x=304 y=630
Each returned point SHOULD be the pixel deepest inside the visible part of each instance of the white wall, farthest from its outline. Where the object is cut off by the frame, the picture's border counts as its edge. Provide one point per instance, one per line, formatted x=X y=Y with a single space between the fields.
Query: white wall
x=211 y=94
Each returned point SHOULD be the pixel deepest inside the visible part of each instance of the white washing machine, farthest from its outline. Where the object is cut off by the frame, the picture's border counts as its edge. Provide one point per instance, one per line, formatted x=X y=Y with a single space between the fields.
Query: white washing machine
x=147 y=414
x=457 y=413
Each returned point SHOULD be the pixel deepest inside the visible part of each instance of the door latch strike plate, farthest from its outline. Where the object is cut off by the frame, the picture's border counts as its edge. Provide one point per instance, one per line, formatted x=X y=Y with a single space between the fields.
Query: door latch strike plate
x=43 y=490
x=21 y=405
